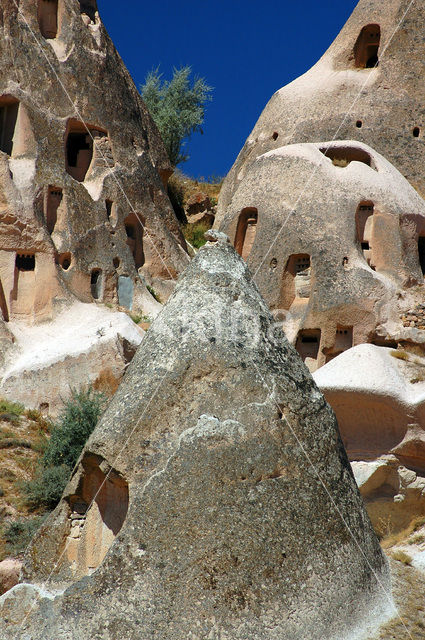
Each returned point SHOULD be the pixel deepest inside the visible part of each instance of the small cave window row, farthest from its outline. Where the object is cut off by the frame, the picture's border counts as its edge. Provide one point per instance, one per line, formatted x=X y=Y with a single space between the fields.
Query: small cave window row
x=25 y=261
x=367 y=47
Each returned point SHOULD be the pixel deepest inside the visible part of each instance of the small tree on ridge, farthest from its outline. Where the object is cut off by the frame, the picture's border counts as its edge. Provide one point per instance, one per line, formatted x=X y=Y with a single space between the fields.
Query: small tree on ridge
x=177 y=108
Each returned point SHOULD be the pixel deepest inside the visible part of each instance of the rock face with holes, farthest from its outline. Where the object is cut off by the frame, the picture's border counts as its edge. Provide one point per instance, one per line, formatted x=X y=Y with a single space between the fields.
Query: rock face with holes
x=203 y=482
x=333 y=243
x=82 y=168
x=367 y=87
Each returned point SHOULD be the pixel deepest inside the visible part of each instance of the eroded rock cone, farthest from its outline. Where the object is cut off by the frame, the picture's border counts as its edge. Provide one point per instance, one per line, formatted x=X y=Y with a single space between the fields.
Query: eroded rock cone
x=367 y=87
x=216 y=439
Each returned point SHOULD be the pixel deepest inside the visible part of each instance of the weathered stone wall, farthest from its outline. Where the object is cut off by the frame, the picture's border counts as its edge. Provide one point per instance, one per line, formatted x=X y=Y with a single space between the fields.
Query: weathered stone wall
x=78 y=154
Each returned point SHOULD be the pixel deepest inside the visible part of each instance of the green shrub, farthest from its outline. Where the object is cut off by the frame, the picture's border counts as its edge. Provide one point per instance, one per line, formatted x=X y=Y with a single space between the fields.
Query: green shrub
x=177 y=107
x=46 y=487
x=194 y=233
x=18 y=534
x=76 y=422
x=153 y=293
x=14 y=408
x=68 y=438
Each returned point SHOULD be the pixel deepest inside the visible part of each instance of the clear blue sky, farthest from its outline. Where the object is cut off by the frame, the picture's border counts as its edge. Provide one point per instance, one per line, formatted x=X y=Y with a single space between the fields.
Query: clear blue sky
x=245 y=49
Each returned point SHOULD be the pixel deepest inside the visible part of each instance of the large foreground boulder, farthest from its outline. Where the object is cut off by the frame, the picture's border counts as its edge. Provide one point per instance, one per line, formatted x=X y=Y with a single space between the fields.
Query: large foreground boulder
x=214 y=499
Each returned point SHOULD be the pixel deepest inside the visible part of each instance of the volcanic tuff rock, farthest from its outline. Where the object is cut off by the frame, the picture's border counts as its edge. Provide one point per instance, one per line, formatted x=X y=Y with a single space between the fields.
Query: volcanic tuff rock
x=80 y=167
x=330 y=231
x=378 y=396
x=215 y=440
x=368 y=87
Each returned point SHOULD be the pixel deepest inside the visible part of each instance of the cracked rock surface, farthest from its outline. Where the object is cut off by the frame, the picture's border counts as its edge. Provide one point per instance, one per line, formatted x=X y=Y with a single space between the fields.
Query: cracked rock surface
x=216 y=441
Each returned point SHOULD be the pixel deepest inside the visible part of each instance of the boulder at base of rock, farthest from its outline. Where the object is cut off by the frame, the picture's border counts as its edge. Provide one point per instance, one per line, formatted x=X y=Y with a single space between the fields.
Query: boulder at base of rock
x=214 y=499
x=9 y=573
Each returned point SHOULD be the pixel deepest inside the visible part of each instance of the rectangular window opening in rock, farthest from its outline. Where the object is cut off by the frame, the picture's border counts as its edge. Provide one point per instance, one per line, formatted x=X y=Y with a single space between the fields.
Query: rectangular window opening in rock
x=308 y=343
x=367 y=47
x=53 y=201
x=246 y=231
x=134 y=232
x=296 y=282
x=8 y=117
x=48 y=18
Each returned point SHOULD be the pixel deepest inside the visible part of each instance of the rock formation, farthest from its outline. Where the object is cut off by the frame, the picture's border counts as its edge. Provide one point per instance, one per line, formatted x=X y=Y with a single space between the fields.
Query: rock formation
x=367 y=87
x=330 y=240
x=214 y=499
x=325 y=203
x=84 y=215
x=378 y=396
x=82 y=204
x=84 y=345
x=394 y=495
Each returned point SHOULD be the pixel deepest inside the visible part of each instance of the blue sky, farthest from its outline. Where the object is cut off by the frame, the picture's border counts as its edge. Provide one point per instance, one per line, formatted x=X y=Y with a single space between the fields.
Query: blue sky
x=246 y=50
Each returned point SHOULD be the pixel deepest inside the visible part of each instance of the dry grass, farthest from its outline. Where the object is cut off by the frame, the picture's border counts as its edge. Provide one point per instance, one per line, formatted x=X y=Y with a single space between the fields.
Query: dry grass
x=189 y=186
x=399 y=354
x=26 y=440
x=401 y=556
x=390 y=539
x=107 y=382
x=408 y=590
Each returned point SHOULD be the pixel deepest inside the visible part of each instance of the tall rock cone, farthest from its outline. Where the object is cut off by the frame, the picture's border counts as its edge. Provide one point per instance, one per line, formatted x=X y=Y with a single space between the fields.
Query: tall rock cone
x=214 y=499
x=368 y=86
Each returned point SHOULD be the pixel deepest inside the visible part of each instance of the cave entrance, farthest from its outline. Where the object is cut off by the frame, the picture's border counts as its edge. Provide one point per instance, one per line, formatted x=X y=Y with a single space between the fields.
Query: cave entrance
x=89 y=8
x=97 y=513
x=364 y=230
x=54 y=199
x=134 y=231
x=96 y=282
x=8 y=116
x=48 y=18
x=421 y=251
x=367 y=46
x=246 y=231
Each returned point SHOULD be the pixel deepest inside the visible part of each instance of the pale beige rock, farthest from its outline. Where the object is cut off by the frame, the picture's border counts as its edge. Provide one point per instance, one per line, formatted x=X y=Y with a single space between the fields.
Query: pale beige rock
x=9 y=574
x=340 y=98
x=330 y=246
x=229 y=532
x=379 y=406
x=394 y=496
x=84 y=345
x=82 y=198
